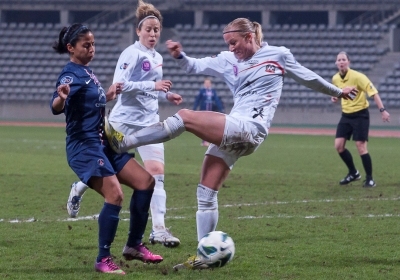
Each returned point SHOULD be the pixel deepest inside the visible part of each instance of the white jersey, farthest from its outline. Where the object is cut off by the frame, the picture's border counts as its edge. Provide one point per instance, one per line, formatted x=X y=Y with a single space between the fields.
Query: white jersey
x=138 y=68
x=256 y=83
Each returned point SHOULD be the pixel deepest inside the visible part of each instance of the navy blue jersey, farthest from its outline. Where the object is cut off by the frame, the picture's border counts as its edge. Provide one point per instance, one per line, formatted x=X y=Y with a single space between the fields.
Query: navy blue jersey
x=84 y=107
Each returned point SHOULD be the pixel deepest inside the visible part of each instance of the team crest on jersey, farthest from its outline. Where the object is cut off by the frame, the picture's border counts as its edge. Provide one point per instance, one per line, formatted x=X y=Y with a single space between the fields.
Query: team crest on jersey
x=146 y=66
x=100 y=161
x=66 y=80
x=235 y=70
x=124 y=66
x=270 y=68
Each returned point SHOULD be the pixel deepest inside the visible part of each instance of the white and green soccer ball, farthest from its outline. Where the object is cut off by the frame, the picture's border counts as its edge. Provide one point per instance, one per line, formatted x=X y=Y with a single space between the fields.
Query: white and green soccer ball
x=216 y=249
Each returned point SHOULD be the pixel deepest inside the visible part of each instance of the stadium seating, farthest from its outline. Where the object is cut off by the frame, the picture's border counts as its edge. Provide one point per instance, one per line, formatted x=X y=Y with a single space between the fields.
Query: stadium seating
x=30 y=66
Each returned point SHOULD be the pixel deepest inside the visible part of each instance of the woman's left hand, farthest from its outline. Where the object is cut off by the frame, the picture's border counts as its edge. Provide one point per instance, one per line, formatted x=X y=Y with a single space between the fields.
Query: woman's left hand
x=385 y=116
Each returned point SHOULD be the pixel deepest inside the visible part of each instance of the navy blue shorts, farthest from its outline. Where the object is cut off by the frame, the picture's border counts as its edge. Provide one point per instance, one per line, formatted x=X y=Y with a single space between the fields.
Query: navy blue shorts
x=98 y=161
x=356 y=124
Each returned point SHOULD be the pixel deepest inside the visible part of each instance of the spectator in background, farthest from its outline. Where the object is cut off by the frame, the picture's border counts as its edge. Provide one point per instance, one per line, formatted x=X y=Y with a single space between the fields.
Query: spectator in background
x=208 y=100
x=355 y=119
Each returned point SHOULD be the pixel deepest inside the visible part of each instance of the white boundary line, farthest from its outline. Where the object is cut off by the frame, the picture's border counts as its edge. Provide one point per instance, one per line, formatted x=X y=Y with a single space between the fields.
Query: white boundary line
x=95 y=216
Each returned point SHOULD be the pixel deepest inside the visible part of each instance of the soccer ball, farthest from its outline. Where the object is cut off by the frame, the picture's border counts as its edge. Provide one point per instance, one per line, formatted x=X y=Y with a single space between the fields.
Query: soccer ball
x=216 y=249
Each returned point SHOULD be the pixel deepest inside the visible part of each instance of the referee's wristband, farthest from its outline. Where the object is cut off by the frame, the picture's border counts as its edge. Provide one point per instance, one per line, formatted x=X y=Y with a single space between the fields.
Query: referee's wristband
x=382 y=109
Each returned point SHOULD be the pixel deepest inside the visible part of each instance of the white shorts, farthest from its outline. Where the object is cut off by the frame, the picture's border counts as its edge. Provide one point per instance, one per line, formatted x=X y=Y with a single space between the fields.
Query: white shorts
x=148 y=152
x=241 y=138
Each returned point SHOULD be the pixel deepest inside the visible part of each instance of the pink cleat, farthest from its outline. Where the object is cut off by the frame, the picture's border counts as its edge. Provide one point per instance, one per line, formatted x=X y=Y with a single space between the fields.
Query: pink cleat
x=106 y=265
x=142 y=253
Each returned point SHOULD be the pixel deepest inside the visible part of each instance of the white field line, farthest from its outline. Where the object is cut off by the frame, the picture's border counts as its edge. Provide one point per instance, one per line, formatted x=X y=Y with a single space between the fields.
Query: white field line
x=95 y=216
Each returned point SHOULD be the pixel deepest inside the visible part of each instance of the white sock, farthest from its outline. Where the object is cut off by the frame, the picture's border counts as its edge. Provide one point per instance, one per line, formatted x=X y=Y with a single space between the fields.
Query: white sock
x=207 y=213
x=81 y=188
x=158 y=204
x=156 y=133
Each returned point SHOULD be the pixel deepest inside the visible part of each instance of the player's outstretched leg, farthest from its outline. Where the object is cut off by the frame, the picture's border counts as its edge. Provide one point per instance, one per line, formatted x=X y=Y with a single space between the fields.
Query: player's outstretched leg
x=156 y=133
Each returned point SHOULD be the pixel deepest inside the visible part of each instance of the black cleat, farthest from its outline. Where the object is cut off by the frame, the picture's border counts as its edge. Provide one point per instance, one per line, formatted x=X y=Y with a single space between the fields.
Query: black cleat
x=369 y=183
x=350 y=178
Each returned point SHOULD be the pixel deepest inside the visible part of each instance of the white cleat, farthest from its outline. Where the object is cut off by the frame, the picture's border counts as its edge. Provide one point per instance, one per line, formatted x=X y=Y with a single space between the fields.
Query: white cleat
x=74 y=202
x=164 y=237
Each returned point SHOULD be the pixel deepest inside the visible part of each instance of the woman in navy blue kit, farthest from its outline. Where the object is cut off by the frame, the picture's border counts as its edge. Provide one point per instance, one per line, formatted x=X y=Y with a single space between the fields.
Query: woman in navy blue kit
x=81 y=98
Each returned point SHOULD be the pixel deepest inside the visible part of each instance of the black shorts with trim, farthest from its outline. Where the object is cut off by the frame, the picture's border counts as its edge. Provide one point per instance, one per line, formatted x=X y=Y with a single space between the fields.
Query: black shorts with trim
x=356 y=124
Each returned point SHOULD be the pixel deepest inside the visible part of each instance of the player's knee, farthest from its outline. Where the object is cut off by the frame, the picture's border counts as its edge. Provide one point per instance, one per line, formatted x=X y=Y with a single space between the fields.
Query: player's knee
x=115 y=196
x=207 y=199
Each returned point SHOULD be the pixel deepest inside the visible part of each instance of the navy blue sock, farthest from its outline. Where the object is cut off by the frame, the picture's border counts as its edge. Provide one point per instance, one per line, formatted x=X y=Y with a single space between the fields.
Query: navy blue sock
x=108 y=224
x=139 y=208
x=348 y=160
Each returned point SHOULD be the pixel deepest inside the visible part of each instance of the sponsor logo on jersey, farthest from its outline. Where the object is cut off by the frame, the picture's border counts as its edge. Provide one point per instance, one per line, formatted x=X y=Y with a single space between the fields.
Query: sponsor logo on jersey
x=270 y=68
x=93 y=77
x=152 y=96
x=251 y=62
x=235 y=70
x=66 y=80
x=102 y=98
x=259 y=112
x=146 y=66
x=124 y=66
x=249 y=92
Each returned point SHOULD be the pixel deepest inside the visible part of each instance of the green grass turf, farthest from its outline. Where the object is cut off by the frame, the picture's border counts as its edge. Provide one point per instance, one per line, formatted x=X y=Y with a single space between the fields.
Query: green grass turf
x=282 y=206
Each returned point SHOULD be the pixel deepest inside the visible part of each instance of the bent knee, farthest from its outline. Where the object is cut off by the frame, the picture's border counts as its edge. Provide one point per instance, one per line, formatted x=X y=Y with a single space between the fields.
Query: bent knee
x=115 y=196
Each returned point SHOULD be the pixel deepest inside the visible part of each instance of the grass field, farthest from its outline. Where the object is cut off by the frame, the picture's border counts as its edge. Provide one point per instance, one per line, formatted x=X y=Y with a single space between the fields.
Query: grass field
x=282 y=206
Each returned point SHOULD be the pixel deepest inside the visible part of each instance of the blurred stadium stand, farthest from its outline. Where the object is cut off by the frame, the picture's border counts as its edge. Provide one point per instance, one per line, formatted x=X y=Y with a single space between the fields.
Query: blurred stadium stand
x=29 y=67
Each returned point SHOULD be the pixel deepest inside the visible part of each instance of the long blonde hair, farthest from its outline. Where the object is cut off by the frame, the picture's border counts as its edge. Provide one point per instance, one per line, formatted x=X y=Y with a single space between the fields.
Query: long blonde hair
x=244 y=26
x=144 y=10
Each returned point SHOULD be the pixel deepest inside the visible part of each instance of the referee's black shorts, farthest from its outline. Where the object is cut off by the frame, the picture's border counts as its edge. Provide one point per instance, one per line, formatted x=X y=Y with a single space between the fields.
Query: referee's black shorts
x=356 y=124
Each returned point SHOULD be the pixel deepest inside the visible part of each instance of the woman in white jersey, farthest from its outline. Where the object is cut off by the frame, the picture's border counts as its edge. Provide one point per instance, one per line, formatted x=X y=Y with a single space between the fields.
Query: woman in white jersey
x=139 y=68
x=254 y=72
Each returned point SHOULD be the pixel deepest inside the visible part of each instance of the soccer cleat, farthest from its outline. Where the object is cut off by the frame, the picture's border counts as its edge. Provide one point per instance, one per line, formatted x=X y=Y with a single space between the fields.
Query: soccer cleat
x=74 y=202
x=106 y=265
x=165 y=238
x=141 y=253
x=350 y=178
x=114 y=137
x=193 y=262
x=369 y=183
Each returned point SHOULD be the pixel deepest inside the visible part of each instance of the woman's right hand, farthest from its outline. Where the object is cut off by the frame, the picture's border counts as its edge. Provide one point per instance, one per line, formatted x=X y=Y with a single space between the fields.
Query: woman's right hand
x=163 y=85
x=63 y=91
x=174 y=48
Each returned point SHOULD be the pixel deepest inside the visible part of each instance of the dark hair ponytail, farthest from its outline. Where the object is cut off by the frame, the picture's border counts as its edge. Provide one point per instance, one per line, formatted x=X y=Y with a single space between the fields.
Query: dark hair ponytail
x=69 y=35
x=58 y=45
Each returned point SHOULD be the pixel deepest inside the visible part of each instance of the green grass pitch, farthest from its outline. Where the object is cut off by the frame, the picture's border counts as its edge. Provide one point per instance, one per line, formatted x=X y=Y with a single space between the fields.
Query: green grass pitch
x=282 y=206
